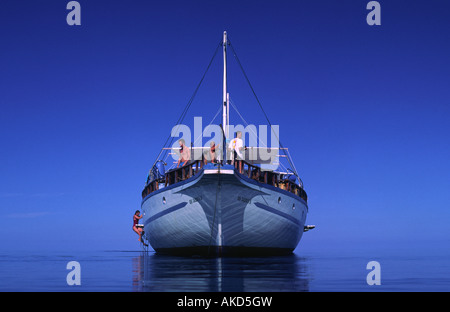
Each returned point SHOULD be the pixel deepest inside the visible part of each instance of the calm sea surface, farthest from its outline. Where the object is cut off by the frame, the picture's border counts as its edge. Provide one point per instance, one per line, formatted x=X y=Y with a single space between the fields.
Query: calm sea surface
x=128 y=271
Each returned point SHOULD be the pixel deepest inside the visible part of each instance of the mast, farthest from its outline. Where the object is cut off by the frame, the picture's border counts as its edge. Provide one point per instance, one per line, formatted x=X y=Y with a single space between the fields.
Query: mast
x=225 y=104
x=227 y=129
x=225 y=101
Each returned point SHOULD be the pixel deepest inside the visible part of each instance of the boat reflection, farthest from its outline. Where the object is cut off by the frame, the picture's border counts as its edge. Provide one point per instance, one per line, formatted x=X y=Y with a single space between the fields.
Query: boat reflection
x=158 y=273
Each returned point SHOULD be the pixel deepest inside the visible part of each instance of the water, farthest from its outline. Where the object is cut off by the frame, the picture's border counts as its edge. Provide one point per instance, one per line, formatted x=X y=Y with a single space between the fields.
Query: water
x=135 y=271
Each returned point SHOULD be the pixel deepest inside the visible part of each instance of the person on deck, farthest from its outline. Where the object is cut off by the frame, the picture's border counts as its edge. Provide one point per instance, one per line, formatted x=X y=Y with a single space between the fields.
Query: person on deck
x=212 y=152
x=137 y=229
x=236 y=146
x=185 y=153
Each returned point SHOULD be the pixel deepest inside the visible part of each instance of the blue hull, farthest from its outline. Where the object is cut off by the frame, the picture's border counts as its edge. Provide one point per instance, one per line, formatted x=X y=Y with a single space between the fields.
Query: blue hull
x=223 y=213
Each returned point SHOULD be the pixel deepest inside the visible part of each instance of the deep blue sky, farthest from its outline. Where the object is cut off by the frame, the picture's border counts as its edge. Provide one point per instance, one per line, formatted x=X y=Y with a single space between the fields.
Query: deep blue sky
x=84 y=110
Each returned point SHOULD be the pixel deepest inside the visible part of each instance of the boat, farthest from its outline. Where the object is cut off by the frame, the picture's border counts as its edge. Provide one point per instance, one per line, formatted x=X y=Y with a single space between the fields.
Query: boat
x=227 y=206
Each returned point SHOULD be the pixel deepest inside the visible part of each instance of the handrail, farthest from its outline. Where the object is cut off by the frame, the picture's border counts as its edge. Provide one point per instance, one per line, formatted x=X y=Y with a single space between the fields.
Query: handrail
x=272 y=178
x=173 y=176
x=182 y=173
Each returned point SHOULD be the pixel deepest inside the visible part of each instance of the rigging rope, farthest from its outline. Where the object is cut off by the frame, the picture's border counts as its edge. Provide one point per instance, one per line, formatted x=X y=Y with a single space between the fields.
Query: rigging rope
x=261 y=142
x=215 y=116
x=246 y=123
x=260 y=105
x=188 y=105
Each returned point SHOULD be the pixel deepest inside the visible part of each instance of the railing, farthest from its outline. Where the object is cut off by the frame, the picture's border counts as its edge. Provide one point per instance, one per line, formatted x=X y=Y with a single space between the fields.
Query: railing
x=269 y=177
x=251 y=171
x=174 y=176
x=179 y=174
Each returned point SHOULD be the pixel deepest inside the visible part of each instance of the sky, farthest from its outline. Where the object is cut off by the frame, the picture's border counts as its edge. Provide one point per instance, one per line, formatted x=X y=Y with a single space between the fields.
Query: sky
x=85 y=110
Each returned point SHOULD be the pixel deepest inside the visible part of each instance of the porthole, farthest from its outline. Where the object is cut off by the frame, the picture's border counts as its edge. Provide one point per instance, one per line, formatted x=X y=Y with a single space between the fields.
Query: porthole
x=279 y=200
x=164 y=200
x=293 y=206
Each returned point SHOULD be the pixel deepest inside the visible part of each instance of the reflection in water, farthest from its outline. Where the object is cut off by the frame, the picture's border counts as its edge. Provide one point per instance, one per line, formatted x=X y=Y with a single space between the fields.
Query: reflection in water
x=153 y=272
x=138 y=272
